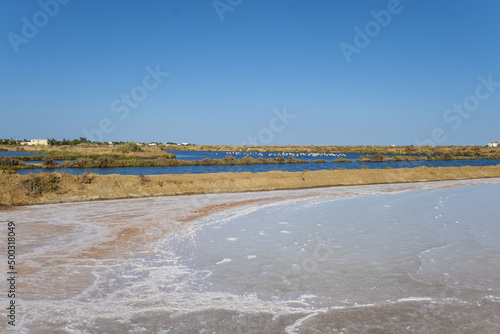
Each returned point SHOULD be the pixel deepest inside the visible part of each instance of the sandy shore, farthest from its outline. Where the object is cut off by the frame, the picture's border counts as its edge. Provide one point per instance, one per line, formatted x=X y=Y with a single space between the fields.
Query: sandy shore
x=102 y=187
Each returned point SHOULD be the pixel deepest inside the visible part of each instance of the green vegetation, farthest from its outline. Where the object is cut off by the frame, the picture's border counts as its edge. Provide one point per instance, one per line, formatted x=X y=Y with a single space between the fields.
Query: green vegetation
x=10 y=141
x=85 y=178
x=447 y=156
x=59 y=155
x=80 y=153
x=36 y=185
x=78 y=160
x=128 y=147
x=10 y=161
x=73 y=142
x=108 y=162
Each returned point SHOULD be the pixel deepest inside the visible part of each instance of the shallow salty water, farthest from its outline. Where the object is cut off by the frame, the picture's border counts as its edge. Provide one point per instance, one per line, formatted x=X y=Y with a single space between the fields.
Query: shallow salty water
x=200 y=155
x=411 y=258
x=264 y=168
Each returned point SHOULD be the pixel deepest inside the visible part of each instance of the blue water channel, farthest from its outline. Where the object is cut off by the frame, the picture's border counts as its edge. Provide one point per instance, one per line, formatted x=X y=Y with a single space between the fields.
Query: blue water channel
x=311 y=166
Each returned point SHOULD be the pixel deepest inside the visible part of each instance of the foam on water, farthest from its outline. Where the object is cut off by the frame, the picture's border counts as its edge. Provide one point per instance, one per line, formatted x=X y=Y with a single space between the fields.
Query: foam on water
x=320 y=264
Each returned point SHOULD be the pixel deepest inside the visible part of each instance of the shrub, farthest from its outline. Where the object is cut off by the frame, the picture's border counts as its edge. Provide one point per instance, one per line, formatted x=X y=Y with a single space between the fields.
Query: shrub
x=207 y=162
x=10 y=161
x=85 y=178
x=162 y=162
x=229 y=160
x=280 y=160
x=247 y=160
x=447 y=156
x=9 y=170
x=377 y=157
x=342 y=160
x=53 y=181
x=48 y=161
x=410 y=150
x=128 y=147
x=472 y=153
x=34 y=185
x=82 y=163
x=104 y=162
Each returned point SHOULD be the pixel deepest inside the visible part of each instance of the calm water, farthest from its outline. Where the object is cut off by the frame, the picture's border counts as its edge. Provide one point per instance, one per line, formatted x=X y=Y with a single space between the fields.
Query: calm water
x=12 y=154
x=200 y=155
x=379 y=261
x=262 y=168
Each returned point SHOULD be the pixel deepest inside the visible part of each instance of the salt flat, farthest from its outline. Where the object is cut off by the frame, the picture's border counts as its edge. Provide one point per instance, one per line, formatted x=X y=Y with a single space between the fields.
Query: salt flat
x=420 y=257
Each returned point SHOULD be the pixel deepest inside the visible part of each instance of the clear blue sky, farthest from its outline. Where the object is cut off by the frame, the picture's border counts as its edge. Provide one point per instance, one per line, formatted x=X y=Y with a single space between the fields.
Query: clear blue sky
x=227 y=76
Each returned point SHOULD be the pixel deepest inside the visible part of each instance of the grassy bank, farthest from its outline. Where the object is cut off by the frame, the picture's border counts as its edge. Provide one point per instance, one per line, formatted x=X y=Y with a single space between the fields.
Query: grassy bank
x=12 y=164
x=102 y=149
x=470 y=151
x=60 y=187
x=446 y=156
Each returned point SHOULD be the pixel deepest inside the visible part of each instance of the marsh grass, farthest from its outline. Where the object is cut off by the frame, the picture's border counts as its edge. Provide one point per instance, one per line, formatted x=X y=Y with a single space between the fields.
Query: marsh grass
x=36 y=185
x=85 y=178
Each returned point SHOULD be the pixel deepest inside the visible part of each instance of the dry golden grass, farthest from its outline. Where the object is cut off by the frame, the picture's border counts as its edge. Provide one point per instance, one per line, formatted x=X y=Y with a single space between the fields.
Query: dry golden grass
x=69 y=188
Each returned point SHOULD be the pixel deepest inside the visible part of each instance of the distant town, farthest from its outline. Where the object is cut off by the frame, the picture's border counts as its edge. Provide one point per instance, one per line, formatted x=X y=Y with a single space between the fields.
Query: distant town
x=81 y=140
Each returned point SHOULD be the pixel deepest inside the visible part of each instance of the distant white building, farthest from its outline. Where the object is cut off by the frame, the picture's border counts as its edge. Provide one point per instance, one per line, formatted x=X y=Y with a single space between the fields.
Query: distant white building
x=36 y=142
x=493 y=144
